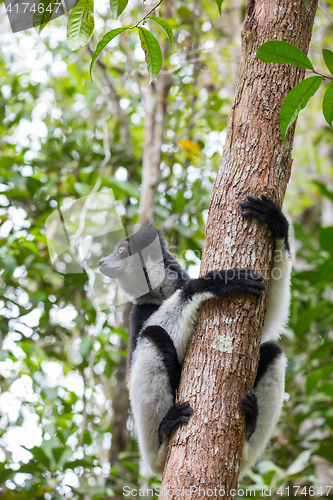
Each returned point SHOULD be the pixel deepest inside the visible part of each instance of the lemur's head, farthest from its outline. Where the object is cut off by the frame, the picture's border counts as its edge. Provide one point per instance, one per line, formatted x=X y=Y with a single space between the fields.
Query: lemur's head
x=137 y=262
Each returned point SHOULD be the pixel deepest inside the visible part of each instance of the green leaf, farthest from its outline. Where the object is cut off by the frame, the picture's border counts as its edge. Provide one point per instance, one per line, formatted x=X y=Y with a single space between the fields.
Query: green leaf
x=78 y=463
x=82 y=189
x=43 y=14
x=125 y=187
x=152 y=51
x=110 y=35
x=306 y=3
x=328 y=58
x=311 y=382
x=327 y=388
x=313 y=378
x=165 y=25
x=118 y=7
x=5 y=474
x=61 y=454
x=219 y=5
x=80 y=24
x=39 y=455
x=307 y=317
x=280 y=52
x=184 y=12
x=87 y=439
x=328 y=105
x=296 y=100
x=326 y=239
x=85 y=347
x=326 y=449
x=323 y=189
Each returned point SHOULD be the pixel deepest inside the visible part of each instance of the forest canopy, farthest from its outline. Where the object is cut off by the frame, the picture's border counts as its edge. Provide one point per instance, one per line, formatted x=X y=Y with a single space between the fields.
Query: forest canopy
x=66 y=430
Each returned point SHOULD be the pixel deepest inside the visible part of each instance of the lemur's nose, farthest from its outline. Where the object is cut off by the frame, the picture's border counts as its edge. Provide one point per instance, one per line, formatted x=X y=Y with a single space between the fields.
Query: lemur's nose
x=100 y=262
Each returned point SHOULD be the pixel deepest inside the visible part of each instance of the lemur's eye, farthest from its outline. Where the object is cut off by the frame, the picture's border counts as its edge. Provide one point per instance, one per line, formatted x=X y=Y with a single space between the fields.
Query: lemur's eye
x=121 y=249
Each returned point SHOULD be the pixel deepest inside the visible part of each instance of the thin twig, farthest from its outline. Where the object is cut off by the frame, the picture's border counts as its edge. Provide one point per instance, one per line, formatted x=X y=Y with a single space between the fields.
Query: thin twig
x=320 y=74
x=146 y=15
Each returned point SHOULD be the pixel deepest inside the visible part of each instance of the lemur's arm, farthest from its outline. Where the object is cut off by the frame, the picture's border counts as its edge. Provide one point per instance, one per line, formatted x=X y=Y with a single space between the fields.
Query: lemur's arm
x=179 y=313
x=278 y=290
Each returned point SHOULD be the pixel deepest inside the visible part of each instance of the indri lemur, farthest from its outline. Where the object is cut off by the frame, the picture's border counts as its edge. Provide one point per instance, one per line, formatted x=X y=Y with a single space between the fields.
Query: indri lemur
x=163 y=320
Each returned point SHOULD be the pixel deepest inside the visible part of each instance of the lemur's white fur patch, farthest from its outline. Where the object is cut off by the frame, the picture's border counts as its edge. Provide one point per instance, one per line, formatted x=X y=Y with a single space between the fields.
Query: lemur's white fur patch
x=270 y=395
x=278 y=294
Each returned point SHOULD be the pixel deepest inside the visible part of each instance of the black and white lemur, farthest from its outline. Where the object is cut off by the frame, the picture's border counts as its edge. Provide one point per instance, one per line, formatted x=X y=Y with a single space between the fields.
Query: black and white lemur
x=163 y=320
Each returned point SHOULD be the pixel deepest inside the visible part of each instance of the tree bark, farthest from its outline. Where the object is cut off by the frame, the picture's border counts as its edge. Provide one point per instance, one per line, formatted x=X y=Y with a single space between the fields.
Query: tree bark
x=120 y=403
x=155 y=103
x=223 y=355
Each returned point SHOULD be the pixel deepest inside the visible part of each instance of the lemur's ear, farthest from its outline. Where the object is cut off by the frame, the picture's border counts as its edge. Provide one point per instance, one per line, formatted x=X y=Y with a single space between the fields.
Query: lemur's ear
x=144 y=237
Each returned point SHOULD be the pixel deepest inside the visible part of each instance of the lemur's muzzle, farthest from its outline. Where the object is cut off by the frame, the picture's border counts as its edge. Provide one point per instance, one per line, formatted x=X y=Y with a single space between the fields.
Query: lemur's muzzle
x=109 y=268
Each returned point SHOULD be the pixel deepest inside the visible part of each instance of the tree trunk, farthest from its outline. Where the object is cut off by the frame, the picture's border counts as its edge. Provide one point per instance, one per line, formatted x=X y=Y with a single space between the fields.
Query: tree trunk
x=223 y=355
x=155 y=103
x=120 y=404
x=155 y=97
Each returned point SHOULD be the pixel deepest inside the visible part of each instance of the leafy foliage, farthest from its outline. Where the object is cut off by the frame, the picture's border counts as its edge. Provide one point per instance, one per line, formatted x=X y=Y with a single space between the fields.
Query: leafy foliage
x=284 y=53
x=118 y=7
x=58 y=357
x=165 y=25
x=328 y=105
x=328 y=58
x=103 y=43
x=80 y=24
x=219 y=5
x=43 y=14
x=58 y=367
x=152 y=52
x=296 y=100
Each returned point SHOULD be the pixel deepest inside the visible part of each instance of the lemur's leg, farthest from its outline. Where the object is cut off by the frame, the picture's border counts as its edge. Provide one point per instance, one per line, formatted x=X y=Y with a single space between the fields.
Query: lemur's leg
x=185 y=302
x=278 y=292
x=263 y=405
x=154 y=379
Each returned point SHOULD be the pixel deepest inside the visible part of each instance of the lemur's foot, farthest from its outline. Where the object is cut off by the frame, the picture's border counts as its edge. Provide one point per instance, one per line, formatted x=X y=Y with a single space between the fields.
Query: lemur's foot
x=249 y=405
x=269 y=212
x=178 y=414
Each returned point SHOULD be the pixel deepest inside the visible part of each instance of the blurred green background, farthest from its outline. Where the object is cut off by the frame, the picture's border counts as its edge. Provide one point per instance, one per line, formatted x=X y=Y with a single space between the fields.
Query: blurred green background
x=65 y=426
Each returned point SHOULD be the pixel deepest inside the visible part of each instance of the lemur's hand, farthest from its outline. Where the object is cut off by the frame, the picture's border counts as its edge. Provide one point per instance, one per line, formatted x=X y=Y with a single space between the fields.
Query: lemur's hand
x=225 y=281
x=267 y=211
x=246 y=280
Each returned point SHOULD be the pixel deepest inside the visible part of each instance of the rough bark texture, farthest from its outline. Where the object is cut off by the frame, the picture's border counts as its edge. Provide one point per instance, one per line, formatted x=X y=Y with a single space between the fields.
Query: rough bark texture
x=120 y=403
x=223 y=355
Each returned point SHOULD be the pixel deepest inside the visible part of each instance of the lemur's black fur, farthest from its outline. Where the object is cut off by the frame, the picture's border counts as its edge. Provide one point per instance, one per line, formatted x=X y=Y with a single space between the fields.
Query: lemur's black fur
x=162 y=322
x=162 y=341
